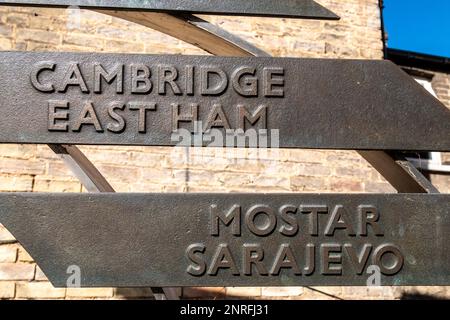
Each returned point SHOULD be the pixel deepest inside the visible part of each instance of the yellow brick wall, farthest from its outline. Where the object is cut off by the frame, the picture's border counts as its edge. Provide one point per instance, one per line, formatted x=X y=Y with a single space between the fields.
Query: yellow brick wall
x=155 y=169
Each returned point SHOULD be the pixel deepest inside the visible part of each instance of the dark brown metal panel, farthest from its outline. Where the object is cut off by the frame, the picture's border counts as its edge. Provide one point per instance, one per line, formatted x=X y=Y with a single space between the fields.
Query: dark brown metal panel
x=175 y=239
x=305 y=9
x=322 y=103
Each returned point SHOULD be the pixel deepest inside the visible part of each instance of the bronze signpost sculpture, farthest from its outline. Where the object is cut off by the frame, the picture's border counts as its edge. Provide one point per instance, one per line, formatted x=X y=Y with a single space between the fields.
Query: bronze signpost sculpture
x=64 y=99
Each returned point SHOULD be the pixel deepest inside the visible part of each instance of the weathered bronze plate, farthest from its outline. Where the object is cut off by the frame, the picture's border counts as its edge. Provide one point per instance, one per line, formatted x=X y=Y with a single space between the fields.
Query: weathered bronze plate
x=307 y=9
x=234 y=239
x=72 y=98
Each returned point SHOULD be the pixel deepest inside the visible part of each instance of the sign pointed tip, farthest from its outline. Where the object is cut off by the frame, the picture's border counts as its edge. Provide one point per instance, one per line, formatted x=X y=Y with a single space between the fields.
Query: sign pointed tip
x=294 y=9
x=333 y=16
x=327 y=13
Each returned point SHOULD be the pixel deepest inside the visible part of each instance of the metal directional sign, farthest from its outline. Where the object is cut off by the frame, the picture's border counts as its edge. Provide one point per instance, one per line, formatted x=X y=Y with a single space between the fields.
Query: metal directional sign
x=286 y=8
x=234 y=239
x=71 y=98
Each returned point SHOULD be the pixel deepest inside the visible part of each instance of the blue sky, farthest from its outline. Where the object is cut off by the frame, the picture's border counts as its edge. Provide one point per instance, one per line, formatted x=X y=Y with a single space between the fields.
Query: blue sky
x=418 y=25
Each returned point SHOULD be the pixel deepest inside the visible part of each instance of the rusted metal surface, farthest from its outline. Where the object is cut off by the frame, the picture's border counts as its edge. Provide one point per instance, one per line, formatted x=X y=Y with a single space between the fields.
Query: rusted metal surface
x=207 y=239
x=313 y=103
x=304 y=9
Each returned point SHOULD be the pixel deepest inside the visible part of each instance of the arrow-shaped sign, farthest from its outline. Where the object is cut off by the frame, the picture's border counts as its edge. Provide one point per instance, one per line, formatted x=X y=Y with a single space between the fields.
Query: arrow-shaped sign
x=305 y=9
x=234 y=239
x=76 y=98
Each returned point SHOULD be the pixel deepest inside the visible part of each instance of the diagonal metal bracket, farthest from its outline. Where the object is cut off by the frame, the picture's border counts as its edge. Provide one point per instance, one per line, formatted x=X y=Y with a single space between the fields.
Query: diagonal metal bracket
x=82 y=168
x=401 y=173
